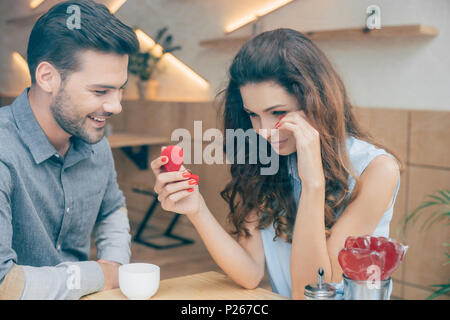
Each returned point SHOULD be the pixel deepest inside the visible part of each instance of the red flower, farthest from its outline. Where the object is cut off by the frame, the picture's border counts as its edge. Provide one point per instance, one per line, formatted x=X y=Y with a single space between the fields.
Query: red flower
x=361 y=252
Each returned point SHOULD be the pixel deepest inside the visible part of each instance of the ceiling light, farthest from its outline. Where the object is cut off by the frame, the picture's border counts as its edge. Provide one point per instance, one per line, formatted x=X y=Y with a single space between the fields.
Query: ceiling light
x=255 y=15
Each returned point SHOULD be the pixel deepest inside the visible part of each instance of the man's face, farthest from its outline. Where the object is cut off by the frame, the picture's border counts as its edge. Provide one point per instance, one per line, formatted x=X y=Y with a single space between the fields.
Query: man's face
x=90 y=95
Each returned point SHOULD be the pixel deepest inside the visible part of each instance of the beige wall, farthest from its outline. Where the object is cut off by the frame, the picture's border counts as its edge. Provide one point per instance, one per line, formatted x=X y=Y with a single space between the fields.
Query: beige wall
x=402 y=73
x=421 y=140
x=406 y=73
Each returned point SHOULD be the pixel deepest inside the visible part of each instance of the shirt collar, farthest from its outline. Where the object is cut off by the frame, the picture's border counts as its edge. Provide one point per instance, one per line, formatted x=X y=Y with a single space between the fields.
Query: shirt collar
x=79 y=150
x=34 y=137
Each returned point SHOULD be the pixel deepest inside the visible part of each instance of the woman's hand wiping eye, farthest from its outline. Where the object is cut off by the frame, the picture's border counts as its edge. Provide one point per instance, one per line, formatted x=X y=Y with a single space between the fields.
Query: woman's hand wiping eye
x=309 y=159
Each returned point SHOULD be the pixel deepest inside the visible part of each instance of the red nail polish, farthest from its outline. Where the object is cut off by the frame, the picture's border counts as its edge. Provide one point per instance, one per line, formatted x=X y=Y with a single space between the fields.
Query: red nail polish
x=186 y=175
x=190 y=190
x=164 y=159
x=195 y=177
x=193 y=181
x=278 y=123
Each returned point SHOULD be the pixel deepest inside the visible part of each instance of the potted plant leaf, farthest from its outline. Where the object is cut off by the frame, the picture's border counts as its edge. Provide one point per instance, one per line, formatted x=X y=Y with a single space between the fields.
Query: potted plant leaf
x=144 y=64
x=440 y=200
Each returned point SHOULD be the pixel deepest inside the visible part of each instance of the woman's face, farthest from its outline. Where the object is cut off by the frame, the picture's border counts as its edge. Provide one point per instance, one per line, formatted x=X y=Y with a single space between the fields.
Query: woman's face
x=265 y=103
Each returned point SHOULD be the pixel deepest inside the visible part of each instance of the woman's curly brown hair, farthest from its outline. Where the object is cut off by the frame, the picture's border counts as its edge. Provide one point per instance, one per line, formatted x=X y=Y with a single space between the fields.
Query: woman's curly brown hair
x=293 y=61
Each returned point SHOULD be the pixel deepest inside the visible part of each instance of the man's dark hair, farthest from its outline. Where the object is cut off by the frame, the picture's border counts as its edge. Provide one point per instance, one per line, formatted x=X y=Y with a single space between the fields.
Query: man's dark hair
x=54 y=39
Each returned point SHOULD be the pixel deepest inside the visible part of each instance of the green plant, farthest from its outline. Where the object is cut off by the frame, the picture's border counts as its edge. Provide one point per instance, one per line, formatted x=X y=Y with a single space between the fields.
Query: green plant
x=441 y=201
x=143 y=64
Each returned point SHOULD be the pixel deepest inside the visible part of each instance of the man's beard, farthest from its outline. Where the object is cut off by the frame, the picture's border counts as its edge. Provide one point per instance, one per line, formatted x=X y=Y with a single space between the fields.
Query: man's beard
x=64 y=113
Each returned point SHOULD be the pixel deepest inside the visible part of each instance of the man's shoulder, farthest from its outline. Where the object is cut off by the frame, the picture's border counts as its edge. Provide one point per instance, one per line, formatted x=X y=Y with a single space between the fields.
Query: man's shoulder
x=6 y=116
x=8 y=131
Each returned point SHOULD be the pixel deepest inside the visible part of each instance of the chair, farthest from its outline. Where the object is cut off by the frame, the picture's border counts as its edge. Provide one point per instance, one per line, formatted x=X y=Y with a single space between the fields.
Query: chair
x=181 y=241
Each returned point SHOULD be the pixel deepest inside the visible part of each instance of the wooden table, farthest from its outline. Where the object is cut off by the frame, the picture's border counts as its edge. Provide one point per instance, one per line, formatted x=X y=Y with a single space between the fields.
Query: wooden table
x=119 y=140
x=127 y=141
x=202 y=286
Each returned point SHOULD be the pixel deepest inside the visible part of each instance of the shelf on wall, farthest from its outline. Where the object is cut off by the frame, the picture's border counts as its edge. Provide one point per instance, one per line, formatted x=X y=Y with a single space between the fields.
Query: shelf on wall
x=25 y=20
x=415 y=30
x=174 y=100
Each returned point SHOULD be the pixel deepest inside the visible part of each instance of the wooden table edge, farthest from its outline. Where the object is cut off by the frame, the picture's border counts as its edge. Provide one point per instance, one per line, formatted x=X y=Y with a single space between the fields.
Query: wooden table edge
x=116 y=294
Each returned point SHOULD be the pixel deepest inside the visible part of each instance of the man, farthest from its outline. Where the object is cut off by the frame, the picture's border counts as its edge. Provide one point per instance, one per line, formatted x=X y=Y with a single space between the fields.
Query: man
x=57 y=177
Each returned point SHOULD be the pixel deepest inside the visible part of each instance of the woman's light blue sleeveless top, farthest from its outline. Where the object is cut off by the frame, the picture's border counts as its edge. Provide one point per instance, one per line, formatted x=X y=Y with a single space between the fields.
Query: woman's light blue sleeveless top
x=277 y=253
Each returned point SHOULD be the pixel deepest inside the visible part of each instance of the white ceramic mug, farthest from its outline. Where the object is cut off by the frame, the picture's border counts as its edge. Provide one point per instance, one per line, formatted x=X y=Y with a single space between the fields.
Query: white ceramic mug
x=139 y=281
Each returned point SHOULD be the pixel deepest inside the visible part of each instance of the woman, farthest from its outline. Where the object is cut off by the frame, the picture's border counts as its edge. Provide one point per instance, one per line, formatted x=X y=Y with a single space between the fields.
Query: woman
x=333 y=181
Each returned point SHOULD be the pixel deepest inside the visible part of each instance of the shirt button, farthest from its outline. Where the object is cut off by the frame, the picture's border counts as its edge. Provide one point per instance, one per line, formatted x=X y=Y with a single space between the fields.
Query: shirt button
x=57 y=155
x=58 y=247
x=67 y=210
